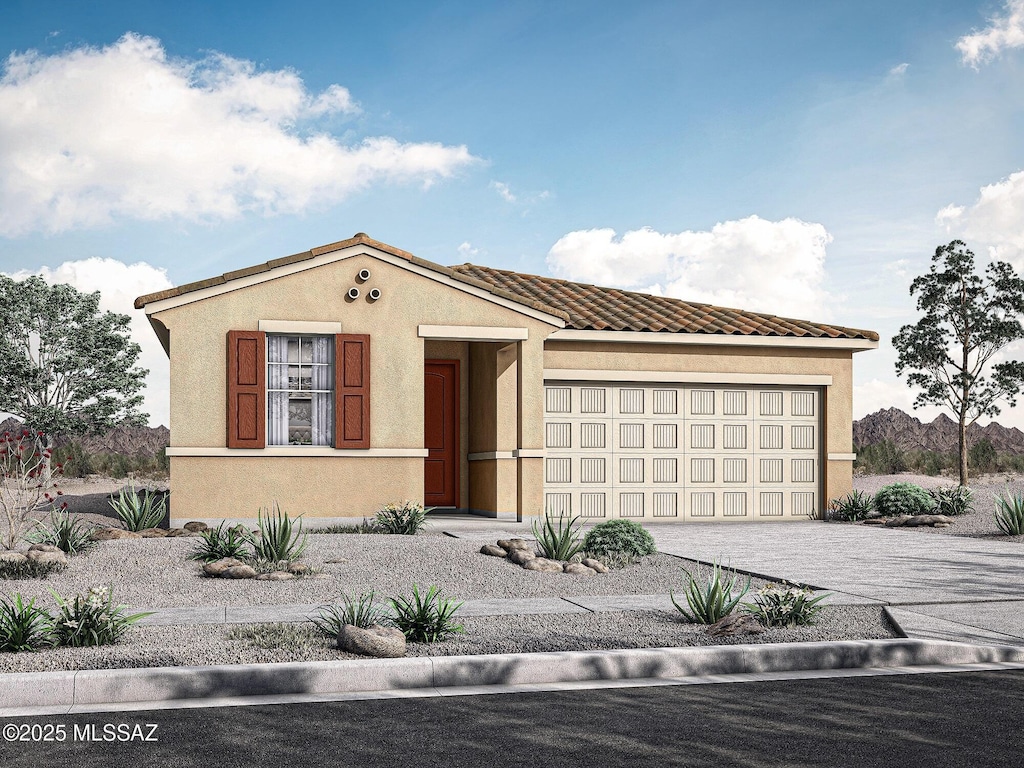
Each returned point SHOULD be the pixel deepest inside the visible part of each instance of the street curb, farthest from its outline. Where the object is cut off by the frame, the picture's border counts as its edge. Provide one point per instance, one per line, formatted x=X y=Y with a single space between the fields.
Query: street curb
x=64 y=691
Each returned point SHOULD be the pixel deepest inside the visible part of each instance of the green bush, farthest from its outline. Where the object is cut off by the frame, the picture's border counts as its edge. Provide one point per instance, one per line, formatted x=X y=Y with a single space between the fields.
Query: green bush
x=407 y=518
x=139 y=511
x=714 y=601
x=279 y=539
x=24 y=627
x=221 y=542
x=425 y=618
x=785 y=606
x=622 y=537
x=358 y=611
x=559 y=543
x=1009 y=514
x=69 y=534
x=885 y=458
x=91 y=619
x=850 y=508
x=982 y=457
x=953 y=500
x=903 y=499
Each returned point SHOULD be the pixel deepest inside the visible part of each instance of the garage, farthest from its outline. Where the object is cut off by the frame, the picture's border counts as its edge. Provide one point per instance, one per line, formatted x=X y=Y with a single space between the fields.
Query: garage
x=682 y=451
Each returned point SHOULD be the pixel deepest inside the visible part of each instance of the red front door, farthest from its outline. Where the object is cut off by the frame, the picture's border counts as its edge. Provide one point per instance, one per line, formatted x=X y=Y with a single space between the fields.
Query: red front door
x=441 y=433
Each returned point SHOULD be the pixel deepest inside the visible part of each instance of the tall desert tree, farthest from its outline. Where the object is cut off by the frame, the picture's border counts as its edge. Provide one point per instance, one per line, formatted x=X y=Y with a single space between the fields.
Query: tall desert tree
x=66 y=368
x=966 y=320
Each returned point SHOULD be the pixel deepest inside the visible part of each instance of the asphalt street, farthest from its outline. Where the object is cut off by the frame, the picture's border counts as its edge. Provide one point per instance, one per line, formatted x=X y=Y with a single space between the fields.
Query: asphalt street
x=971 y=719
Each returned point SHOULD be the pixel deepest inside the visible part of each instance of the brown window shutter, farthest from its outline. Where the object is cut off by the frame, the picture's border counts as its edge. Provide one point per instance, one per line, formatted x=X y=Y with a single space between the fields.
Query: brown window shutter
x=247 y=389
x=352 y=390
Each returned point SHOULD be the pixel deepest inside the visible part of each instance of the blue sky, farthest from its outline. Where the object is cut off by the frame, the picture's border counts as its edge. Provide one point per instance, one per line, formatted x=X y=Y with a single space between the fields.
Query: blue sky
x=802 y=158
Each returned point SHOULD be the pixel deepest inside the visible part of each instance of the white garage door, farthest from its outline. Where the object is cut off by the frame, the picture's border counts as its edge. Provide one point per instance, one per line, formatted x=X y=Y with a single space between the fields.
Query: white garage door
x=681 y=451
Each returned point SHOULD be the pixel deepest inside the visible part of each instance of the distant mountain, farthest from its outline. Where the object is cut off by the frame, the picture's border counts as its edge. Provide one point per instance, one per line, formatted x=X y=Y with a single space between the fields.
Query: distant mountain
x=127 y=441
x=940 y=435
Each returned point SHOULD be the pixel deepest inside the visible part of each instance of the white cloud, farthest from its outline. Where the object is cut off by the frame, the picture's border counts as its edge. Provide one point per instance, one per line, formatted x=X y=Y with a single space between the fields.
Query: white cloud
x=752 y=263
x=94 y=134
x=467 y=251
x=1002 y=33
x=119 y=284
x=996 y=219
x=504 y=191
x=899 y=70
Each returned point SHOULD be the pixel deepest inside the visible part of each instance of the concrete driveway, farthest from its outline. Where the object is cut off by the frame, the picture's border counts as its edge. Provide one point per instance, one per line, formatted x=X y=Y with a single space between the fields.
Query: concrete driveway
x=944 y=587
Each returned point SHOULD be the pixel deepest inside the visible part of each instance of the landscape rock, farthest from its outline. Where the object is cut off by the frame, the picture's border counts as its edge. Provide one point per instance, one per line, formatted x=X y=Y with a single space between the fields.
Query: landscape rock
x=45 y=548
x=275 y=576
x=239 y=572
x=896 y=522
x=543 y=564
x=578 y=569
x=491 y=549
x=44 y=556
x=112 y=534
x=12 y=557
x=918 y=520
x=510 y=544
x=377 y=641
x=595 y=565
x=178 y=532
x=874 y=521
x=153 y=533
x=734 y=625
x=196 y=527
x=217 y=567
x=298 y=569
x=521 y=556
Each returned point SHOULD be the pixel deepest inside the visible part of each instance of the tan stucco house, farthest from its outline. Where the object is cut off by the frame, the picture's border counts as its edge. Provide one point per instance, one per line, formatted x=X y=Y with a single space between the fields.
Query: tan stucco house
x=355 y=374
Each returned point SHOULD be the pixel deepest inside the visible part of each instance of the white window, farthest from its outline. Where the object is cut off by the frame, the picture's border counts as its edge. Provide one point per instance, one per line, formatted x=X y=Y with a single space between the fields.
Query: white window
x=300 y=390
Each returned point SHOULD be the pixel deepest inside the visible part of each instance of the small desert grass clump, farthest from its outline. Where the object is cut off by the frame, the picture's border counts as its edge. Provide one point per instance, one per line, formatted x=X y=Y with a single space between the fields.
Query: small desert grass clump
x=358 y=611
x=24 y=626
x=1009 y=514
x=620 y=541
x=139 y=511
x=850 y=508
x=366 y=526
x=69 y=534
x=426 y=618
x=221 y=542
x=406 y=518
x=561 y=542
x=280 y=539
x=785 y=606
x=277 y=636
x=28 y=569
x=953 y=500
x=91 y=619
x=712 y=602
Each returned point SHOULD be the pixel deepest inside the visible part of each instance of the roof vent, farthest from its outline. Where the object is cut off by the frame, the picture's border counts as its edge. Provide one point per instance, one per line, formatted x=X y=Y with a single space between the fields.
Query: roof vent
x=353 y=293
x=374 y=294
x=363 y=276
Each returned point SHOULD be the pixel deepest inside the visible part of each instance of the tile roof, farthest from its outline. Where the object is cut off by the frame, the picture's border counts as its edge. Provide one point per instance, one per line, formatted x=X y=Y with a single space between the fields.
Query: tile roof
x=594 y=308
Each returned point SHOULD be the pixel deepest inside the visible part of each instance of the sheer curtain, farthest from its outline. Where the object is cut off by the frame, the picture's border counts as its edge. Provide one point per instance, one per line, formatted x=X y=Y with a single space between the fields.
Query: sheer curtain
x=323 y=402
x=277 y=402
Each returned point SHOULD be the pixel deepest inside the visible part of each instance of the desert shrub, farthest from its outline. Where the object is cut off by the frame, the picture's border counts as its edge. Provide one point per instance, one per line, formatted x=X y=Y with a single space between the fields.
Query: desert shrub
x=982 y=456
x=91 y=619
x=712 y=602
x=406 y=518
x=23 y=626
x=1009 y=514
x=850 y=508
x=620 y=536
x=425 y=618
x=884 y=458
x=221 y=542
x=903 y=499
x=28 y=569
x=276 y=636
x=561 y=542
x=953 y=500
x=785 y=606
x=358 y=611
x=68 y=533
x=27 y=469
x=139 y=511
x=279 y=540
x=931 y=462
x=365 y=526
x=76 y=462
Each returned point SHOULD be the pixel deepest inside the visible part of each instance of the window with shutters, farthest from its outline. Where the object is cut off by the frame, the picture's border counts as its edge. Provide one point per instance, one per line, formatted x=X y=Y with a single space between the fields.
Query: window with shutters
x=300 y=390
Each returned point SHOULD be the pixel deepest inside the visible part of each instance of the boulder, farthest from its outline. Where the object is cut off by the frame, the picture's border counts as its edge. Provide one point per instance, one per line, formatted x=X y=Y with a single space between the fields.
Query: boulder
x=45 y=548
x=735 y=624
x=152 y=533
x=521 y=556
x=112 y=534
x=44 y=556
x=543 y=564
x=298 y=569
x=239 y=572
x=275 y=576
x=874 y=521
x=578 y=569
x=897 y=522
x=595 y=565
x=491 y=549
x=918 y=520
x=196 y=527
x=510 y=544
x=178 y=532
x=12 y=557
x=380 y=642
x=217 y=567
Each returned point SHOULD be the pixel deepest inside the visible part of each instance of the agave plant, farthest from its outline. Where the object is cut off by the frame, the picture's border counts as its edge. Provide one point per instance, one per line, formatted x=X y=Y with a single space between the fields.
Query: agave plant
x=712 y=602
x=425 y=618
x=561 y=542
x=68 y=533
x=221 y=542
x=358 y=611
x=1010 y=514
x=139 y=511
x=280 y=539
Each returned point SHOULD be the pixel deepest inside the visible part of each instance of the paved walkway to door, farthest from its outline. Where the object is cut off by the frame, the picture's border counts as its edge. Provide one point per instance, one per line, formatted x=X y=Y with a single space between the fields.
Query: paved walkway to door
x=947 y=587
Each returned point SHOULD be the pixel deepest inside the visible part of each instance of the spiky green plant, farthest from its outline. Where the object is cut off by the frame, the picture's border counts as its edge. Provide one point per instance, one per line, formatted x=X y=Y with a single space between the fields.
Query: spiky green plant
x=425 y=618
x=24 y=626
x=358 y=611
x=785 y=606
x=70 y=534
x=91 y=619
x=561 y=542
x=221 y=542
x=712 y=602
x=407 y=518
x=138 y=511
x=953 y=500
x=1009 y=514
x=854 y=506
x=280 y=538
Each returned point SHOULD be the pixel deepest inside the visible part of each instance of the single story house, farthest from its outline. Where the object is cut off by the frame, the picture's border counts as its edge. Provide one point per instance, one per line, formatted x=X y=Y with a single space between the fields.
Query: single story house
x=356 y=374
